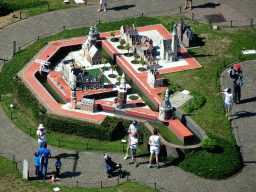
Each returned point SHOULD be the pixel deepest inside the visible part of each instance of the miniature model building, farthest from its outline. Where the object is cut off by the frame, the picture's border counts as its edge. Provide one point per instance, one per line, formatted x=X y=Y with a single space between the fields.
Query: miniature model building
x=145 y=48
x=130 y=35
x=170 y=48
x=90 y=47
x=86 y=105
x=71 y=72
x=154 y=79
x=165 y=109
x=122 y=94
x=185 y=34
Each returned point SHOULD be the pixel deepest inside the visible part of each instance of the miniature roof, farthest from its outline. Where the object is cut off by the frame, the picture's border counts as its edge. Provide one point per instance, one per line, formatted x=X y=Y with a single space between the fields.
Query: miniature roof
x=167 y=45
x=86 y=101
x=128 y=28
x=93 y=50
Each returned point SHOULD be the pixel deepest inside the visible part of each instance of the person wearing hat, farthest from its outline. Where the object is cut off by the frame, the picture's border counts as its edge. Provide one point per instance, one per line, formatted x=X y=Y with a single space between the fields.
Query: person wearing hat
x=228 y=101
x=41 y=135
x=134 y=127
x=133 y=146
x=236 y=75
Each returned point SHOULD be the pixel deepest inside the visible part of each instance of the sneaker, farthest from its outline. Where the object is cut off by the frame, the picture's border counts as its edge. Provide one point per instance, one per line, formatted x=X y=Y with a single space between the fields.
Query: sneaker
x=158 y=167
x=105 y=10
x=136 y=164
x=129 y=163
x=126 y=156
x=229 y=118
x=149 y=166
x=226 y=115
x=99 y=10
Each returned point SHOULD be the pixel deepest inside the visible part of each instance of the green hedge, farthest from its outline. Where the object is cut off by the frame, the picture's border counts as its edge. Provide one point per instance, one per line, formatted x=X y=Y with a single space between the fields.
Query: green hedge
x=222 y=163
x=196 y=104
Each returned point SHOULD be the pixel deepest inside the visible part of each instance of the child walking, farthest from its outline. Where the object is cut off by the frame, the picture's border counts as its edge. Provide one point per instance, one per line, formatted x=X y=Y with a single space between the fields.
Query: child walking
x=133 y=146
x=228 y=101
x=37 y=159
x=58 y=167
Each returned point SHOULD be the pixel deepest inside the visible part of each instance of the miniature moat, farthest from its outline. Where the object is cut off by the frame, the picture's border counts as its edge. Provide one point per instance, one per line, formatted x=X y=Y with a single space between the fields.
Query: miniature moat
x=92 y=88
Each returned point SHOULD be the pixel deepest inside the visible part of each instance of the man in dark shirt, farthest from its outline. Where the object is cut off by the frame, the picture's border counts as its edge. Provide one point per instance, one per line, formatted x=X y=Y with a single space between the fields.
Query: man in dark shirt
x=234 y=74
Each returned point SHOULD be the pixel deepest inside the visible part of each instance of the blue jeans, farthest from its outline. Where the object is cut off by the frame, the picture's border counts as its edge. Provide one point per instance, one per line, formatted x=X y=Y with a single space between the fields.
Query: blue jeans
x=43 y=167
x=37 y=170
x=40 y=144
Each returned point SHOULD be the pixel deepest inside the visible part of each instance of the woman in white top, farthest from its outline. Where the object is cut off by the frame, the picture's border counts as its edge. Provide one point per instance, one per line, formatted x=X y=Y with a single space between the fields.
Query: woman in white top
x=133 y=146
x=41 y=135
x=154 y=148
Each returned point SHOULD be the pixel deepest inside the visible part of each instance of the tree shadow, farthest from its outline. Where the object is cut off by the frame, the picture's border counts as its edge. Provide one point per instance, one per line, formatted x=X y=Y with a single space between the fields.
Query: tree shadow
x=123 y=7
x=207 y=5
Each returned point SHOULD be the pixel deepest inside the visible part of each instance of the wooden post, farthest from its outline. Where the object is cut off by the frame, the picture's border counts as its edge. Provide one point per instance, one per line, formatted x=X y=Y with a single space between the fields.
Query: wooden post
x=100 y=184
x=76 y=183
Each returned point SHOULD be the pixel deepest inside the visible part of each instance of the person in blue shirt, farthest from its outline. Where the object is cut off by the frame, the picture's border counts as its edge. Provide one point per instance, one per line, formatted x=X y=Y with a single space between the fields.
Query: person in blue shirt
x=37 y=159
x=58 y=166
x=43 y=153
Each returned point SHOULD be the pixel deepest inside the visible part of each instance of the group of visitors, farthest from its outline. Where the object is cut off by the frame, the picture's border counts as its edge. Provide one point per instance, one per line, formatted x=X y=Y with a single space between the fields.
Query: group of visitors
x=42 y=155
x=154 y=143
x=237 y=77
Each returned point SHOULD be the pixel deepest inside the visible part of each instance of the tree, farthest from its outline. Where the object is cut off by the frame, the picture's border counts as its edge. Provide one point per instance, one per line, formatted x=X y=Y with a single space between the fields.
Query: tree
x=136 y=56
x=127 y=47
x=104 y=60
x=122 y=41
x=119 y=78
x=142 y=62
x=112 y=34
x=113 y=67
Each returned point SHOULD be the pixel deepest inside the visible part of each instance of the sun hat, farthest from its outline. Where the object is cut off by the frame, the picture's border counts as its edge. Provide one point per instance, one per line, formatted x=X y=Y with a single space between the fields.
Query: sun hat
x=237 y=67
x=41 y=126
x=133 y=134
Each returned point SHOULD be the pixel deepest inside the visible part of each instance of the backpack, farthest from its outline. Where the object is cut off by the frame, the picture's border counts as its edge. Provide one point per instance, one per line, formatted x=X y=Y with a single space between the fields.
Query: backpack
x=43 y=159
x=240 y=80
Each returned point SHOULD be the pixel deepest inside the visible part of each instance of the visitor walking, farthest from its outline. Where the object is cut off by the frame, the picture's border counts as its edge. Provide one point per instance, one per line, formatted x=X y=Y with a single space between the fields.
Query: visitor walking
x=134 y=127
x=133 y=146
x=41 y=135
x=37 y=159
x=236 y=75
x=58 y=167
x=186 y=4
x=43 y=153
x=228 y=101
x=154 y=148
x=105 y=5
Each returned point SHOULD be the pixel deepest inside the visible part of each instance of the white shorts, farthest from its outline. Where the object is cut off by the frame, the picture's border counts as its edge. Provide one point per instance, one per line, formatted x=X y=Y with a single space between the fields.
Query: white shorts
x=154 y=150
x=103 y=2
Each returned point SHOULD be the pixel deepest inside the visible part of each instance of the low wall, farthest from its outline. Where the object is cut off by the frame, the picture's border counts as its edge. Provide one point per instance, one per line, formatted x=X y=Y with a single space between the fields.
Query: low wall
x=105 y=107
x=143 y=115
x=191 y=124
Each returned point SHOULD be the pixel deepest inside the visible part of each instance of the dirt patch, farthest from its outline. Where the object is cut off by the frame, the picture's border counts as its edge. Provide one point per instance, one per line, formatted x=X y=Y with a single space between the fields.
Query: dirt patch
x=13 y=17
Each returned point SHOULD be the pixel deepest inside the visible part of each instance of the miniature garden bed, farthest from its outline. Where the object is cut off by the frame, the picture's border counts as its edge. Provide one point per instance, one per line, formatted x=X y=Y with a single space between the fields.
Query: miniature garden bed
x=135 y=62
x=120 y=47
x=133 y=97
x=105 y=68
x=117 y=83
x=140 y=104
x=142 y=69
x=128 y=54
x=114 y=39
x=112 y=76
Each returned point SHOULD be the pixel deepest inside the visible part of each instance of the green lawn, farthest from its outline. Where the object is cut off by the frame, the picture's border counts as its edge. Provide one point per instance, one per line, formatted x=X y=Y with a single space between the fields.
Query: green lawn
x=11 y=180
x=97 y=71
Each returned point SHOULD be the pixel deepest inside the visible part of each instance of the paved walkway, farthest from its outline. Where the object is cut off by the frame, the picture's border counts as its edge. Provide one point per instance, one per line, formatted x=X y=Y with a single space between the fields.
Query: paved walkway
x=88 y=167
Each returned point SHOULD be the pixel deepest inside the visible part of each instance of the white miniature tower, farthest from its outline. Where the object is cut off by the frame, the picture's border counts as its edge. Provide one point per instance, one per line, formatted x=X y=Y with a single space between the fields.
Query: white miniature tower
x=165 y=109
x=73 y=92
x=175 y=43
x=122 y=94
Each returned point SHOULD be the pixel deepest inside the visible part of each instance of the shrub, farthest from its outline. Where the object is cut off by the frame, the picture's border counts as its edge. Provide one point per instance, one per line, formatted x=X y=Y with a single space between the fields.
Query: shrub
x=208 y=144
x=196 y=104
x=133 y=97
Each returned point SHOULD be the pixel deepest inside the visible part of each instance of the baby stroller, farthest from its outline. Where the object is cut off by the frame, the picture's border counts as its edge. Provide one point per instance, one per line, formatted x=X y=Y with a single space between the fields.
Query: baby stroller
x=112 y=166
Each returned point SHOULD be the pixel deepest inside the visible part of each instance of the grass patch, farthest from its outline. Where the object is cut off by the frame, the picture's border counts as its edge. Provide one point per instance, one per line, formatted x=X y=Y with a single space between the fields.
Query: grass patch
x=166 y=133
x=11 y=180
x=28 y=126
x=133 y=97
x=97 y=71
x=52 y=92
